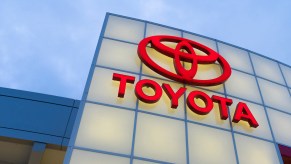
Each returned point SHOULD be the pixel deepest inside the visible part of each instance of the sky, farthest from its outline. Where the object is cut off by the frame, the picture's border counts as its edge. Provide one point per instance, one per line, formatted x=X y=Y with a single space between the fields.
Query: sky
x=48 y=46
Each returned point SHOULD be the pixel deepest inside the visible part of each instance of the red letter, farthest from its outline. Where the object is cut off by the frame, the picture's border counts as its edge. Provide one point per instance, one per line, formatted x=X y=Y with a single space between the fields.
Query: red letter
x=145 y=98
x=223 y=103
x=195 y=108
x=243 y=113
x=174 y=97
x=123 y=79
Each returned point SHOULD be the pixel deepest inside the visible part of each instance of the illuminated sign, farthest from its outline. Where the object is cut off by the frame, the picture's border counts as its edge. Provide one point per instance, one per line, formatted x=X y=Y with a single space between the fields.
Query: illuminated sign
x=184 y=52
x=179 y=54
x=160 y=94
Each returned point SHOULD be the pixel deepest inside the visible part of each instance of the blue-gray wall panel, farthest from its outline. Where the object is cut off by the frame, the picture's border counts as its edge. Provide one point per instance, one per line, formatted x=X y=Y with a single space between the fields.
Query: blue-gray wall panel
x=33 y=116
x=19 y=134
x=71 y=122
x=36 y=96
x=36 y=117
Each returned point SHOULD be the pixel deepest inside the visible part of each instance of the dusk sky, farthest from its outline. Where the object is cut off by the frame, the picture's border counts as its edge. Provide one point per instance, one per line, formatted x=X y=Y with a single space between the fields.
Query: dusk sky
x=48 y=46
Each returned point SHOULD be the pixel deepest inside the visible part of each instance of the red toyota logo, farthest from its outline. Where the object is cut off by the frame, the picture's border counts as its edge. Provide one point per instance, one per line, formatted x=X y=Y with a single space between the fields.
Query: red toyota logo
x=183 y=75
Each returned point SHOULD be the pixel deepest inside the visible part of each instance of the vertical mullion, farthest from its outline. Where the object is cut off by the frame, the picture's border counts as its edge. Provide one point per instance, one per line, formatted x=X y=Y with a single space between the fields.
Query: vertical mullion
x=266 y=112
x=185 y=119
x=229 y=118
x=85 y=94
x=136 y=107
x=284 y=78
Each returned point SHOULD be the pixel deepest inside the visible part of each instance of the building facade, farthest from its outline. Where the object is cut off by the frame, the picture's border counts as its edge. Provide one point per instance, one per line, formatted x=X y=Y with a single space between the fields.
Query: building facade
x=157 y=94
x=126 y=129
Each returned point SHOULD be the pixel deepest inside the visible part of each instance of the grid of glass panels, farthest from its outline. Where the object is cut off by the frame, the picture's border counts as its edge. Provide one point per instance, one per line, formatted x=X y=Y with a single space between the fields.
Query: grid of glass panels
x=114 y=130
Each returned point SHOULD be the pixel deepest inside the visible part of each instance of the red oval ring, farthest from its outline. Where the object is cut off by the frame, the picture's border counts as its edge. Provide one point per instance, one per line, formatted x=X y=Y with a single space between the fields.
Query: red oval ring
x=211 y=57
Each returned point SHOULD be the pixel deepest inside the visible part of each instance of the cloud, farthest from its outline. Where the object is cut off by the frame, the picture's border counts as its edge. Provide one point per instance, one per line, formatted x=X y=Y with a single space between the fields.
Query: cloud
x=48 y=46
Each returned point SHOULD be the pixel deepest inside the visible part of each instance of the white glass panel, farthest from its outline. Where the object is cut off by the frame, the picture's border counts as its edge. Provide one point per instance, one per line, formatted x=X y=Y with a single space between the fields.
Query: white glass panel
x=105 y=90
x=207 y=42
x=281 y=125
x=119 y=55
x=124 y=29
x=159 y=30
x=254 y=151
x=287 y=74
x=160 y=59
x=206 y=71
x=237 y=58
x=213 y=117
x=209 y=145
x=267 y=68
x=258 y=111
x=106 y=128
x=163 y=106
x=275 y=95
x=160 y=139
x=86 y=157
x=135 y=161
x=243 y=86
